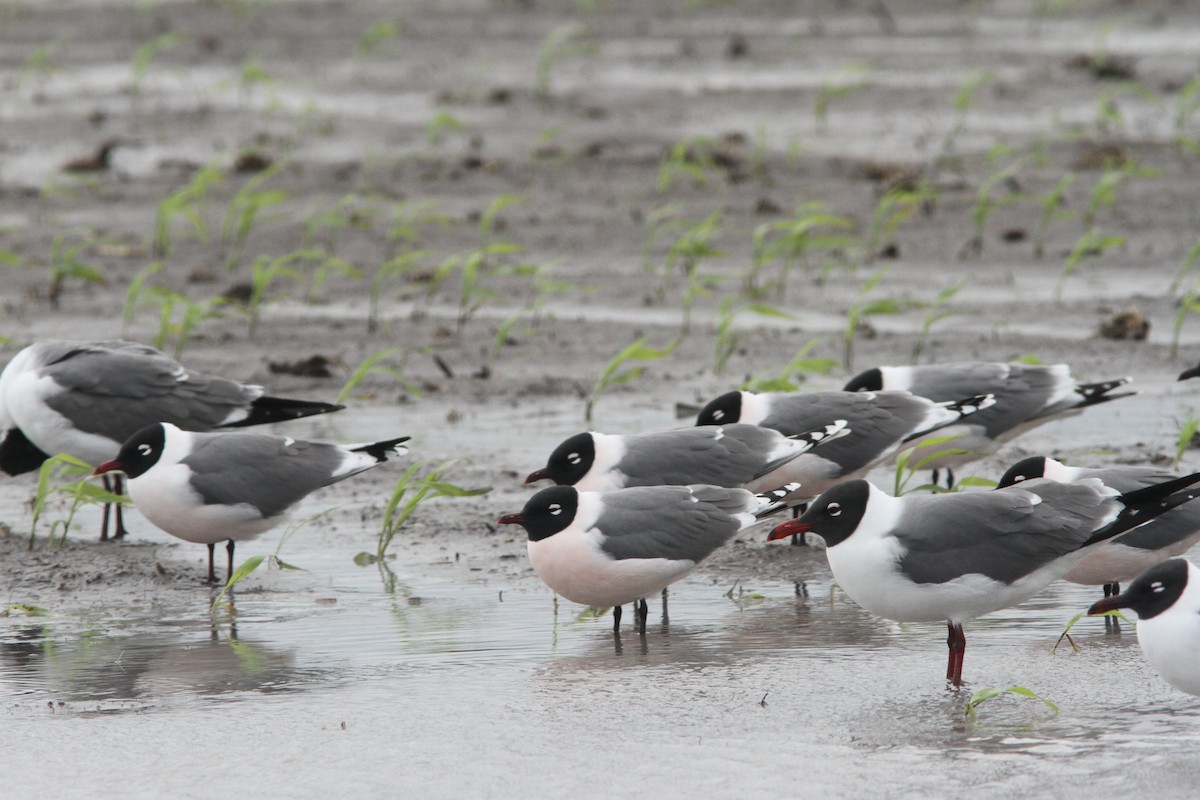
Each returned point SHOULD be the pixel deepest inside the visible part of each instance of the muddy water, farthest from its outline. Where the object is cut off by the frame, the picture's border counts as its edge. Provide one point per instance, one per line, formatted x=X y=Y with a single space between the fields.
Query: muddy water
x=468 y=678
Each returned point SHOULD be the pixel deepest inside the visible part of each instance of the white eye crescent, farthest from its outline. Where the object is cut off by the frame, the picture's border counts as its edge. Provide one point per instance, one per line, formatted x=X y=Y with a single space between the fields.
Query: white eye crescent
x=718 y=415
x=574 y=458
x=555 y=509
x=833 y=509
x=145 y=449
x=1018 y=478
x=1156 y=586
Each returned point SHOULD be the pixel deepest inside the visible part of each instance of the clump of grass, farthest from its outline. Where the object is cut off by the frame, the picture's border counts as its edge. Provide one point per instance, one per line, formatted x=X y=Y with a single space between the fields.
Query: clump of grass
x=244 y=209
x=781 y=379
x=616 y=373
x=811 y=231
x=863 y=308
x=187 y=202
x=846 y=82
x=728 y=339
x=65 y=264
x=388 y=362
x=1093 y=244
x=53 y=480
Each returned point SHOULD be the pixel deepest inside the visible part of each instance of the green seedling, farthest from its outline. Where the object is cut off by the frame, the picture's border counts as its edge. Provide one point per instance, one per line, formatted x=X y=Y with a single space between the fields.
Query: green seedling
x=247 y=567
x=263 y=273
x=560 y=44
x=388 y=362
x=65 y=265
x=906 y=468
x=39 y=64
x=811 y=231
x=1104 y=192
x=970 y=710
x=1052 y=204
x=1186 y=439
x=843 y=84
x=728 y=338
x=352 y=211
x=409 y=221
x=133 y=295
x=615 y=372
x=1093 y=244
x=27 y=609
x=986 y=202
x=322 y=267
x=193 y=313
x=441 y=126
x=376 y=35
x=401 y=265
x=52 y=480
x=1188 y=304
x=686 y=253
x=780 y=380
x=690 y=158
x=1066 y=634
x=660 y=221
x=863 y=308
x=935 y=312
x=896 y=206
x=187 y=202
x=146 y=53
x=1186 y=105
x=474 y=267
x=1189 y=263
x=244 y=209
x=964 y=98
x=487 y=220
x=544 y=286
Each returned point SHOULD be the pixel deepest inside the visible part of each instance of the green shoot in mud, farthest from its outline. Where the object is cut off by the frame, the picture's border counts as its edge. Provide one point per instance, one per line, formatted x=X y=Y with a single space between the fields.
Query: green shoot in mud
x=65 y=265
x=26 y=609
x=844 y=83
x=964 y=98
x=441 y=126
x=690 y=158
x=193 y=312
x=1066 y=632
x=39 y=65
x=614 y=374
x=1186 y=439
x=935 y=312
x=781 y=379
x=247 y=567
x=1187 y=103
x=140 y=67
x=560 y=44
x=53 y=480
x=1189 y=263
x=187 y=202
x=986 y=202
x=388 y=362
x=376 y=35
x=351 y=212
x=970 y=709
x=397 y=266
x=811 y=231
x=863 y=308
x=686 y=253
x=263 y=273
x=544 y=287
x=410 y=220
x=1188 y=304
x=896 y=206
x=133 y=295
x=244 y=209
x=907 y=469
x=1093 y=244
x=659 y=222
x=1052 y=204
x=729 y=339
x=1104 y=192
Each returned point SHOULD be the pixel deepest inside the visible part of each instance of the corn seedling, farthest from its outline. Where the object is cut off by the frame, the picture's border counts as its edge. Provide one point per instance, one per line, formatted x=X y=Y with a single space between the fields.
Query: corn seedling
x=146 y=53
x=403 y=264
x=247 y=567
x=907 y=469
x=728 y=338
x=27 y=609
x=660 y=221
x=388 y=362
x=1104 y=192
x=896 y=206
x=441 y=126
x=1188 y=304
x=352 y=211
x=487 y=220
x=1093 y=244
x=935 y=312
x=323 y=266
x=263 y=272
x=244 y=209
x=187 y=202
x=1186 y=439
x=52 y=481
x=376 y=35
x=409 y=220
x=39 y=64
x=615 y=372
x=1186 y=105
x=65 y=265
x=964 y=98
x=134 y=294
x=193 y=313
x=1189 y=263
x=864 y=308
x=561 y=43
x=690 y=158
x=781 y=380
x=846 y=82
x=1051 y=208
x=810 y=231
x=474 y=267
x=970 y=710
x=986 y=202
x=686 y=253
x=545 y=287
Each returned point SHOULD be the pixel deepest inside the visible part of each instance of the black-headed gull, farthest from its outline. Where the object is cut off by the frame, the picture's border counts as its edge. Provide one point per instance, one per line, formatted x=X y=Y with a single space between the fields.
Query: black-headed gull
x=741 y=456
x=1166 y=598
x=1171 y=534
x=954 y=557
x=87 y=398
x=1026 y=396
x=606 y=549
x=879 y=423
x=213 y=487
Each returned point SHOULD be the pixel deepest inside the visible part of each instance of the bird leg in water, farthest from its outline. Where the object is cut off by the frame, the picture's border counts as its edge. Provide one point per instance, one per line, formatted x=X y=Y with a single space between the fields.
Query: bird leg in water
x=229 y=569
x=957 y=642
x=642 y=611
x=1112 y=625
x=212 y=577
x=798 y=541
x=664 y=606
x=115 y=486
x=616 y=620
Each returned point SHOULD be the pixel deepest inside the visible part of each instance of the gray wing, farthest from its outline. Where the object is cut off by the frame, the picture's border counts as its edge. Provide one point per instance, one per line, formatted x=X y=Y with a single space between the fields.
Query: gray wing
x=878 y=422
x=667 y=522
x=1004 y=534
x=727 y=455
x=268 y=472
x=117 y=391
x=1021 y=391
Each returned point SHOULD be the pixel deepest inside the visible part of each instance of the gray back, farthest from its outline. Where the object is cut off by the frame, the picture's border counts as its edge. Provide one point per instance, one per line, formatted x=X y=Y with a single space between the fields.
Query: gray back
x=726 y=455
x=1021 y=391
x=667 y=522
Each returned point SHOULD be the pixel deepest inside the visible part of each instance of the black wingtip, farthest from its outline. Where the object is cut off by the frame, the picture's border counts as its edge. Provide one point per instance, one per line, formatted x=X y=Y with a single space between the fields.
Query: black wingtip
x=1094 y=393
x=1144 y=505
x=265 y=410
x=382 y=451
x=1189 y=373
x=18 y=455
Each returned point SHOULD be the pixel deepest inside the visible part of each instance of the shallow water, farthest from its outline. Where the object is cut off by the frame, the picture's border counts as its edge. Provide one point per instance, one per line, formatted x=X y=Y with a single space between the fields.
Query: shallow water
x=470 y=679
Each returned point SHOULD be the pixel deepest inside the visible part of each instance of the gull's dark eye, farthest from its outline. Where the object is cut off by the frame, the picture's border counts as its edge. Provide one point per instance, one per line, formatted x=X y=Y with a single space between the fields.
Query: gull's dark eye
x=555 y=509
x=145 y=449
x=833 y=509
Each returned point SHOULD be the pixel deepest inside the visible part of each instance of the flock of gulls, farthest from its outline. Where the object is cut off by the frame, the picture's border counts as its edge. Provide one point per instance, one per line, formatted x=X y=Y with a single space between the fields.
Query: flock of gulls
x=631 y=514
